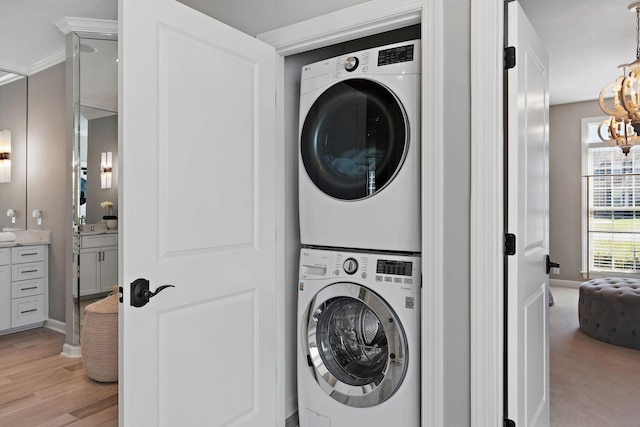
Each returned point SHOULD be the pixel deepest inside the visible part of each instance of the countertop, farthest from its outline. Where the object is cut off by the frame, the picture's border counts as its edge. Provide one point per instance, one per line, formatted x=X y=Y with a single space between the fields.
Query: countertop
x=28 y=238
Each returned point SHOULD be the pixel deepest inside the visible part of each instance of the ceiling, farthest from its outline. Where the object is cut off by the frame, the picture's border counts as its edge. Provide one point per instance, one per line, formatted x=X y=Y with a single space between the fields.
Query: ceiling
x=29 y=40
x=586 y=39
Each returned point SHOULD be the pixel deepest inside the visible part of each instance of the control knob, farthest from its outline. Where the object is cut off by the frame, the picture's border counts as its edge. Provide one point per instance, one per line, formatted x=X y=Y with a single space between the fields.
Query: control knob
x=351 y=63
x=350 y=266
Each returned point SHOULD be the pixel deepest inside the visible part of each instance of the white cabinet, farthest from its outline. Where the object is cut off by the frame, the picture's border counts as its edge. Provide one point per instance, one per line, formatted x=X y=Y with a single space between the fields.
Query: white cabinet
x=98 y=263
x=23 y=287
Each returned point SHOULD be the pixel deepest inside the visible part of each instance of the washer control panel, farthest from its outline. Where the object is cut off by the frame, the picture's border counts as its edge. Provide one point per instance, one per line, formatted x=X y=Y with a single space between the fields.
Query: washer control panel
x=399 y=271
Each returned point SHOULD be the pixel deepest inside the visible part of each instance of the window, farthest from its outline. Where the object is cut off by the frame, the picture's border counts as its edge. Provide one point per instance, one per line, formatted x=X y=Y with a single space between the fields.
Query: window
x=611 y=205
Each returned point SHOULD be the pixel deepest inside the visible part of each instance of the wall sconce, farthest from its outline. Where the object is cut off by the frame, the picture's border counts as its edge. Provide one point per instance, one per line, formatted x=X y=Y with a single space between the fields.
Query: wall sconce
x=106 y=166
x=38 y=215
x=5 y=156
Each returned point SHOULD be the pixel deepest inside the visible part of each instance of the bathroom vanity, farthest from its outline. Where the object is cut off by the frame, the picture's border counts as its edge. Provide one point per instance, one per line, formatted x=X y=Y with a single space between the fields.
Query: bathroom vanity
x=24 y=281
x=96 y=260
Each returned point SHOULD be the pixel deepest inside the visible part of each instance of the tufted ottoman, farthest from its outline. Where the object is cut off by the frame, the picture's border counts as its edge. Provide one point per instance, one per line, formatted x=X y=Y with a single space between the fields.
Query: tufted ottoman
x=609 y=310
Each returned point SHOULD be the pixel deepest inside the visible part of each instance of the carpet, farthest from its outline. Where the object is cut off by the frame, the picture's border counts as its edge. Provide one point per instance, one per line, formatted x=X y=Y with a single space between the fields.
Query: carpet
x=592 y=383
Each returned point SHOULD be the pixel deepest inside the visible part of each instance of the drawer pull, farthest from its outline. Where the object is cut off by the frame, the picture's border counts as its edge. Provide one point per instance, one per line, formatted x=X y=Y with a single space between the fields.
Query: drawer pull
x=29 y=254
x=29 y=271
x=29 y=311
x=29 y=288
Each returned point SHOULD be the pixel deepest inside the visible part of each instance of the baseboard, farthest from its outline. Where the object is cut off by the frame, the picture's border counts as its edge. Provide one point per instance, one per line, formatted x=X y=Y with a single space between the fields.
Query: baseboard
x=291 y=408
x=292 y=421
x=564 y=283
x=71 y=351
x=56 y=325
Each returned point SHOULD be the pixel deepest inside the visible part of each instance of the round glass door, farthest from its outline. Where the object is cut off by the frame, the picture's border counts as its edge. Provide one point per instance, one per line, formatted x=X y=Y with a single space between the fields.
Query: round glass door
x=356 y=344
x=354 y=139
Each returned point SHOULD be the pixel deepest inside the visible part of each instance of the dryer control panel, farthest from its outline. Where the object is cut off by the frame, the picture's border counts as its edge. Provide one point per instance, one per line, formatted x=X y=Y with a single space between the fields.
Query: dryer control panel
x=395 y=59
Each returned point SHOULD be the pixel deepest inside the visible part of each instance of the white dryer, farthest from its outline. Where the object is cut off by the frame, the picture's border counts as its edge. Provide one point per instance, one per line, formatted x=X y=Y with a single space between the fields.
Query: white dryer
x=358 y=339
x=359 y=156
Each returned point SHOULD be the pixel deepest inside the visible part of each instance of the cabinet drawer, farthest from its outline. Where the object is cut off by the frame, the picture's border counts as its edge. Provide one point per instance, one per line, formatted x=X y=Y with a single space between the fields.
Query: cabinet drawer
x=27 y=254
x=27 y=288
x=98 y=240
x=27 y=310
x=5 y=256
x=32 y=270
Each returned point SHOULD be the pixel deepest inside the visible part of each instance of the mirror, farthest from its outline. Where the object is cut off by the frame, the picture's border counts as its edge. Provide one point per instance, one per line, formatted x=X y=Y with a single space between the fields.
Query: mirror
x=95 y=182
x=13 y=151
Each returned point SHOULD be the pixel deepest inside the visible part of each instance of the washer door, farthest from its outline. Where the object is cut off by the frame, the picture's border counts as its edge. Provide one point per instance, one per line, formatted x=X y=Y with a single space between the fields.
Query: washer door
x=356 y=345
x=354 y=139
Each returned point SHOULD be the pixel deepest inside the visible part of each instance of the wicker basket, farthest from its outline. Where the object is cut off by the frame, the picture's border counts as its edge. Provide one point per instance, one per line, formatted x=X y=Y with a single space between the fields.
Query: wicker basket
x=99 y=339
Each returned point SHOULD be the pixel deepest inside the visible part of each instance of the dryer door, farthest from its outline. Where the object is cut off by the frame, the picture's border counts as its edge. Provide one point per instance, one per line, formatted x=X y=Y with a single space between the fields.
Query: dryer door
x=354 y=139
x=356 y=345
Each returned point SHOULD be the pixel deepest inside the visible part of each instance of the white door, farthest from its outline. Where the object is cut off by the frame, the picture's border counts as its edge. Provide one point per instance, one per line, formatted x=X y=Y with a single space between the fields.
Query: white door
x=528 y=218
x=197 y=211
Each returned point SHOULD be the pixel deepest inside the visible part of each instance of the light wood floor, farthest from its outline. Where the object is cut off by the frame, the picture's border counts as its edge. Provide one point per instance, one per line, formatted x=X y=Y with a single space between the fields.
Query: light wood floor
x=39 y=387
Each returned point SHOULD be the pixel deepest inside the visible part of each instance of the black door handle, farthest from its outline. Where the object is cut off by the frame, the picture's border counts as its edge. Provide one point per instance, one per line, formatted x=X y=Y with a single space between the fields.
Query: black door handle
x=140 y=293
x=551 y=264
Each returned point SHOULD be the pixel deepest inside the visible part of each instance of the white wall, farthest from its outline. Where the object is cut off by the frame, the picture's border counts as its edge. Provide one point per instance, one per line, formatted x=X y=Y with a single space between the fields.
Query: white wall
x=457 y=197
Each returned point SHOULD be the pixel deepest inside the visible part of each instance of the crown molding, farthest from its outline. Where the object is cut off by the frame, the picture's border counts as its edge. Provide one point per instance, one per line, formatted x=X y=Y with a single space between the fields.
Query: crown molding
x=70 y=24
x=54 y=58
x=364 y=19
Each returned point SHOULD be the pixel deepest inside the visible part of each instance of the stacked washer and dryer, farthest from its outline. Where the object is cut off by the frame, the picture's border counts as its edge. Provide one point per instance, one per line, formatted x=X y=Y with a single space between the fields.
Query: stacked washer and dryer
x=360 y=280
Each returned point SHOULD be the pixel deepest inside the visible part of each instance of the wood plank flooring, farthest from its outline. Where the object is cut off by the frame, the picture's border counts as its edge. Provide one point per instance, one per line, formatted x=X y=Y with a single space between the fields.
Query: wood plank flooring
x=39 y=387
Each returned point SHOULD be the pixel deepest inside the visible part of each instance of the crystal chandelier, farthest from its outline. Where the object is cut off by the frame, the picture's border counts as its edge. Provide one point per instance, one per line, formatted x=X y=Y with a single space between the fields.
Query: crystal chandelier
x=622 y=127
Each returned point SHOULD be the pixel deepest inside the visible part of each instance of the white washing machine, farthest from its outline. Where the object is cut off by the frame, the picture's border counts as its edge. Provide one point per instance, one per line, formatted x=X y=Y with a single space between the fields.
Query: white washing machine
x=358 y=339
x=359 y=158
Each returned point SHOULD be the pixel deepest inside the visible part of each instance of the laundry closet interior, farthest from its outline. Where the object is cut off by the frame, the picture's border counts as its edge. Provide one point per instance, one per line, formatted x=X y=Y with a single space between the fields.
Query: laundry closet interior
x=291 y=139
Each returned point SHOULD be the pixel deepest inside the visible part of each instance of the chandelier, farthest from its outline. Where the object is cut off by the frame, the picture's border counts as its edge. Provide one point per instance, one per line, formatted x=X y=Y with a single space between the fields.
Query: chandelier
x=622 y=127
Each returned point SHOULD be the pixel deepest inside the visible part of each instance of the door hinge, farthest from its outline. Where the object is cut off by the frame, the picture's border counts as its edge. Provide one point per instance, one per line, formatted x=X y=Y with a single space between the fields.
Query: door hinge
x=509 y=423
x=509 y=57
x=509 y=244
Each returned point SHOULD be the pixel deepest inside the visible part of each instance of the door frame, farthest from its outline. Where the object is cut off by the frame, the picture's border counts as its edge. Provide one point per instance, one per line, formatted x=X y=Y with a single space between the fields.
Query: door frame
x=487 y=207
x=365 y=19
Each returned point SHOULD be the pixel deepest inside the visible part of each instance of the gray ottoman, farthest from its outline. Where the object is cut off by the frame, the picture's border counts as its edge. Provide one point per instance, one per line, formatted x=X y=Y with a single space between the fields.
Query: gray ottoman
x=609 y=310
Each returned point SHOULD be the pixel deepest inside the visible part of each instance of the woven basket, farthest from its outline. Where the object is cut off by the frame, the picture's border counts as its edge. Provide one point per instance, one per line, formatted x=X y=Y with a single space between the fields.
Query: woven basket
x=99 y=339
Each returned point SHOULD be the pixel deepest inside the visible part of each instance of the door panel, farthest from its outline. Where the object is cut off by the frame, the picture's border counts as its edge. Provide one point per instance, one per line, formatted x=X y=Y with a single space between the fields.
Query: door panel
x=535 y=162
x=197 y=211
x=199 y=169
x=527 y=334
x=181 y=331
x=536 y=385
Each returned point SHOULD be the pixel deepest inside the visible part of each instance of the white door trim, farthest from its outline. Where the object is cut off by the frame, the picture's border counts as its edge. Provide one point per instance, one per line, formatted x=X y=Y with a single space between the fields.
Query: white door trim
x=487 y=207
x=365 y=19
